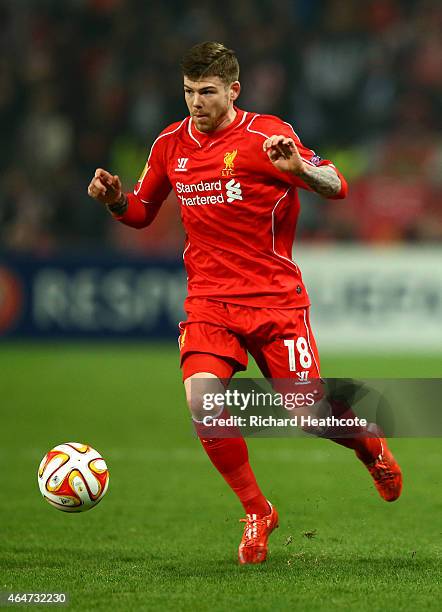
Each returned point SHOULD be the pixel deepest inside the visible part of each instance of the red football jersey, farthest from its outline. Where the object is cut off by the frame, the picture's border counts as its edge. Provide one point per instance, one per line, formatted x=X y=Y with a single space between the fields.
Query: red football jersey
x=239 y=212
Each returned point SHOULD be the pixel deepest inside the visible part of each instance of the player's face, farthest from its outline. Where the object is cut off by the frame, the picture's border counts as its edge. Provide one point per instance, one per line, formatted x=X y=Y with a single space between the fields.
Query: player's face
x=210 y=102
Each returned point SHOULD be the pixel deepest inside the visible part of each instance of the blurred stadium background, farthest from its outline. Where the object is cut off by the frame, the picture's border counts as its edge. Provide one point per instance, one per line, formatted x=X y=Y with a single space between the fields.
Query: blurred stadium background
x=90 y=83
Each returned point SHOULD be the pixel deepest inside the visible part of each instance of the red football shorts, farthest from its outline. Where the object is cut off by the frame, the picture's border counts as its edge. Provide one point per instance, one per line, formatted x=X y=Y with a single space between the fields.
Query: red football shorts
x=217 y=336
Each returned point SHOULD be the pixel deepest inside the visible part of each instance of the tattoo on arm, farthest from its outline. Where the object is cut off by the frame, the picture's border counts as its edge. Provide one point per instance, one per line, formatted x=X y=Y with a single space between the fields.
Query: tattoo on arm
x=119 y=207
x=322 y=179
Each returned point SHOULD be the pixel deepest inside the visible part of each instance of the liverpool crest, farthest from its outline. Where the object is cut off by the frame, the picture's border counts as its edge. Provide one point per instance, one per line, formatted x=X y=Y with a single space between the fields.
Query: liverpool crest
x=229 y=169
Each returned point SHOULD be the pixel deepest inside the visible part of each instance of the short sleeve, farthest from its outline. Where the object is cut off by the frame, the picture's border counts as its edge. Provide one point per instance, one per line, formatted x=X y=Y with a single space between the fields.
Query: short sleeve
x=269 y=125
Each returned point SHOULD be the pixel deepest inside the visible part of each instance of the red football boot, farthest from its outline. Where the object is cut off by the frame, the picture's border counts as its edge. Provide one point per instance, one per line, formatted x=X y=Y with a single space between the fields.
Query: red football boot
x=386 y=473
x=253 y=547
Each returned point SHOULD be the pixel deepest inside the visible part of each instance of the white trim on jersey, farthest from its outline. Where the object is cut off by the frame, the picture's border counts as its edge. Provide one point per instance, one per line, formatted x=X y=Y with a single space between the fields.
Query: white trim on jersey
x=273 y=232
x=243 y=118
x=212 y=143
x=277 y=203
x=184 y=252
x=254 y=131
x=291 y=127
x=308 y=342
x=186 y=249
x=137 y=191
x=189 y=129
x=307 y=161
x=265 y=136
x=323 y=166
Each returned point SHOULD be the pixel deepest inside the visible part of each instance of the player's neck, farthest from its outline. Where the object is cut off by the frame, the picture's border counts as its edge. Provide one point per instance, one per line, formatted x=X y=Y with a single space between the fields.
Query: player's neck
x=225 y=121
x=228 y=118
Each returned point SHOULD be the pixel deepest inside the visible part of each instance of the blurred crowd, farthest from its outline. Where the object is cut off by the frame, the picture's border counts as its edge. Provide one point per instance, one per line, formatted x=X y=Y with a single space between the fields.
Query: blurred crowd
x=90 y=83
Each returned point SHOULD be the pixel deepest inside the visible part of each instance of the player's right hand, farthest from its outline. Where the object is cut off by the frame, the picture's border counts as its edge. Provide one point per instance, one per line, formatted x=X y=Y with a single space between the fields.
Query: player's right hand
x=105 y=187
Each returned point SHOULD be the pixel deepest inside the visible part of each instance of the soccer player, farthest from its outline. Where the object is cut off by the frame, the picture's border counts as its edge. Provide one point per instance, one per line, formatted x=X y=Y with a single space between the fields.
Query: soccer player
x=236 y=175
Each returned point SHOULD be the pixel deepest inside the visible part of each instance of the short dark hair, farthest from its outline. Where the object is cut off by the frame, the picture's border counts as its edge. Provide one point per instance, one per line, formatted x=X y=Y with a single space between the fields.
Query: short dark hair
x=210 y=59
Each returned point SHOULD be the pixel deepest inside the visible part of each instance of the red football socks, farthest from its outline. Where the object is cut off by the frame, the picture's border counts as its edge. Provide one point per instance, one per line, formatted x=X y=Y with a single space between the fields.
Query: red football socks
x=231 y=458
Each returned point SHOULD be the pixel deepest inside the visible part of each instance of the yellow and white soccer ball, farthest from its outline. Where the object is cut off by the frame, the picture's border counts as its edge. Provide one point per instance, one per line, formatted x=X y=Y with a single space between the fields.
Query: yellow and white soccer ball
x=73 y=477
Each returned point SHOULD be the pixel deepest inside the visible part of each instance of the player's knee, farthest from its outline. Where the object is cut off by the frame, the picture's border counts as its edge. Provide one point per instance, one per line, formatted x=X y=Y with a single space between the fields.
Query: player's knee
x=201 y=392
x=196 y=404
x=201 y=405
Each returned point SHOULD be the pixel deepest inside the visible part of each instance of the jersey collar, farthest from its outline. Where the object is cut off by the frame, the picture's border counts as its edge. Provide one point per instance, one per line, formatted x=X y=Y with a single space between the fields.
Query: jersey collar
x=202 y=138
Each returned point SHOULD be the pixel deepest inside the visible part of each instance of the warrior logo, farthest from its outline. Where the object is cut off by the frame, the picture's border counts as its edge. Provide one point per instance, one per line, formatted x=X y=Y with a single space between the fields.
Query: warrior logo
x=228 y=169
x=303 y=376
x=181 y=164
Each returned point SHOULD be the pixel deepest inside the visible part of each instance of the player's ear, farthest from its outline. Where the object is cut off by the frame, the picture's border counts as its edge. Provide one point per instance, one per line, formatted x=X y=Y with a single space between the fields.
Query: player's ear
x=235 y=89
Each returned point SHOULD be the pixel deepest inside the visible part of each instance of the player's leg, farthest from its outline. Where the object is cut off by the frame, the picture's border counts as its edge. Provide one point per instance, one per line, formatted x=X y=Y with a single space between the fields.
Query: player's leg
x=208 y=331
x=204 y=376
x=292 y=353
x=208 y=375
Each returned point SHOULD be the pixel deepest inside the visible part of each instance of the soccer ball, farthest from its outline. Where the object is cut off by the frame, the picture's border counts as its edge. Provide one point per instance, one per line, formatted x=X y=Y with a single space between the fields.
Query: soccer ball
x=73 y=477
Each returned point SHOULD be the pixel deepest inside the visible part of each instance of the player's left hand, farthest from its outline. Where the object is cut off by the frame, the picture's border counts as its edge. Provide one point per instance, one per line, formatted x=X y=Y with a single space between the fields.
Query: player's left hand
x=283 y=154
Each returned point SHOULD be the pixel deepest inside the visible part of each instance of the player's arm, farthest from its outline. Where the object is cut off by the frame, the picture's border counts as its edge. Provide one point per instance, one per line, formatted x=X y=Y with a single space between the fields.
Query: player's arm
x=137 y=209
x=107 y=188
x=322 y=179
x=130 y=208
x=285 y=155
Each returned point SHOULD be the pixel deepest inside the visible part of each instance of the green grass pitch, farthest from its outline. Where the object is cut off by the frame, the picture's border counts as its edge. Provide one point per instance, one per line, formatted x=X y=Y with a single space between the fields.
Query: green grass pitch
x=165 y=536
